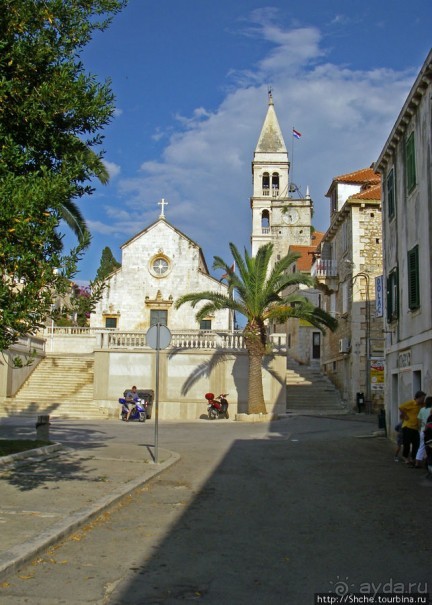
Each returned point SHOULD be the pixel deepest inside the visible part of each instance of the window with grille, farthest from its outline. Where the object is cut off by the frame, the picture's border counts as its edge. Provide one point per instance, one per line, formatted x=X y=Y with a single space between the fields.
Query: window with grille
x=410 y=163
x=392 y=295
x=413 y=279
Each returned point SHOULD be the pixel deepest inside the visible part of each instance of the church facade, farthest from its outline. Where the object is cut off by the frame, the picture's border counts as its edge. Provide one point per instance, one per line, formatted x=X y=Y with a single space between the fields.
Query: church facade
x=158 y=265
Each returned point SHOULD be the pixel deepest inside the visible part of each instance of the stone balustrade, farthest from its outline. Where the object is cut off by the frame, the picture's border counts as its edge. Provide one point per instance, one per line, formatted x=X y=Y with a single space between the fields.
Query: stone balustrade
x=60 y=339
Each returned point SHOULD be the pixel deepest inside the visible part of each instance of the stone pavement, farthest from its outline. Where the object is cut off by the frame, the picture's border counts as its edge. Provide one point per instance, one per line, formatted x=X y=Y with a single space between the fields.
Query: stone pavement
x=48 y=493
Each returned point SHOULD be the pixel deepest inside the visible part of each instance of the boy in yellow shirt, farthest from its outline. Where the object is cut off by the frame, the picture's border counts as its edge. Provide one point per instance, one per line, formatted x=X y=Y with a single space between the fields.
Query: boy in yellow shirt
x=410 y=427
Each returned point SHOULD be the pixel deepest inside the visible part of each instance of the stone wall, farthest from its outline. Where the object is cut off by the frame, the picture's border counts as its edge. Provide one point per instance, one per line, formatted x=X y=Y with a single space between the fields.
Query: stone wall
x=184 y=378
x=13 y=377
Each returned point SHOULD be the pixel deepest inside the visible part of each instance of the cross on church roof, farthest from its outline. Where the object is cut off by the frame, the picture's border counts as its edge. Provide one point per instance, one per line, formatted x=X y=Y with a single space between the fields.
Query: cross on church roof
x=162 y=204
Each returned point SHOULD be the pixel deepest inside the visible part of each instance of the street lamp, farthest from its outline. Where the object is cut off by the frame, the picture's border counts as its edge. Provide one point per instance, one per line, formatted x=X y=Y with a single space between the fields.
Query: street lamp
x=368 y=330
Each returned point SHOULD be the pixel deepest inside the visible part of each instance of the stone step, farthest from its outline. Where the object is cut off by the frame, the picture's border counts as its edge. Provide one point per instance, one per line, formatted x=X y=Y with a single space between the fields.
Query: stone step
x=308 y=390
x=61 y=386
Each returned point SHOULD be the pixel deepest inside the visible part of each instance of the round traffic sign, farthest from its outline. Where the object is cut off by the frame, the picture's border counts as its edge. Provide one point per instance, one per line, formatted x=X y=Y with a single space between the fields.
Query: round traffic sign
x=158 y=337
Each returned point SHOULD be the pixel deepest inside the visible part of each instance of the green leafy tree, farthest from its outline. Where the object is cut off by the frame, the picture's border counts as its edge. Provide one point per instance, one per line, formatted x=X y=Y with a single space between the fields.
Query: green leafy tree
x=108 y=264
x=51 y=114
x=258 y=293
x=77 y=306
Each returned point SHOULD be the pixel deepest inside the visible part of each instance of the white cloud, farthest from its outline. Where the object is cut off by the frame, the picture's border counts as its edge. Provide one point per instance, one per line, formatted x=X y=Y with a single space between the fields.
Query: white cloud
x=204 y=171
x=113 y=169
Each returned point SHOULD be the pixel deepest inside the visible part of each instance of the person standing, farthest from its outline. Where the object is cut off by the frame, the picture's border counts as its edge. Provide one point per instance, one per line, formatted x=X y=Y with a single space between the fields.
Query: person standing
x=410 y=427
x=423 y=415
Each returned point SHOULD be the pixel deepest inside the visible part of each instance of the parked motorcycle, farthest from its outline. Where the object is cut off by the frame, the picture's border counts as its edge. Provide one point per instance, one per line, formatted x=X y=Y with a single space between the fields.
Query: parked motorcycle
x=138 y=413
x=217 y=407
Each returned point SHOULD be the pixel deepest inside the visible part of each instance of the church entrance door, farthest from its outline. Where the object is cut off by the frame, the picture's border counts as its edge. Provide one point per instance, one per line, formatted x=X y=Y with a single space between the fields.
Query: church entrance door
x=158 y=316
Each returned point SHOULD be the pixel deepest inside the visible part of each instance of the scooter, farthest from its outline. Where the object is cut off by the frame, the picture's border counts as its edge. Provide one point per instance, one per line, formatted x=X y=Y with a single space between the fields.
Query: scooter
x=217 y=407
x=138 y=413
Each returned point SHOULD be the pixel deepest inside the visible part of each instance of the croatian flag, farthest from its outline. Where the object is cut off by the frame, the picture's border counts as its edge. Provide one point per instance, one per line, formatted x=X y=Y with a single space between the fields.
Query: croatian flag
x=296 y=133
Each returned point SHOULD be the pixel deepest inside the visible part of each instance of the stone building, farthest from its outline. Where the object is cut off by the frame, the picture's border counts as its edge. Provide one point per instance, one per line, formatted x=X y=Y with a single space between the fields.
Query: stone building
x=304 y=341
x=159 y=265
x=348 y=268
x=405 y=164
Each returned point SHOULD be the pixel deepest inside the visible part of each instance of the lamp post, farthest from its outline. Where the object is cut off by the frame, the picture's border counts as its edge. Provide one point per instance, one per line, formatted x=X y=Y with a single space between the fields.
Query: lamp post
x=368 y=330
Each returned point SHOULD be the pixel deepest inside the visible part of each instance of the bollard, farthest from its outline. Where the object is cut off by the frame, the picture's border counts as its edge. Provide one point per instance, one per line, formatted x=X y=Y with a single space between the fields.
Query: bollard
x=42 y=428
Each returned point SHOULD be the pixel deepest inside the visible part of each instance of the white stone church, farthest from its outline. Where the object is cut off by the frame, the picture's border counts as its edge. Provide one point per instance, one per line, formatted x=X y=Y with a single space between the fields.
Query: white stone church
x=159 y=265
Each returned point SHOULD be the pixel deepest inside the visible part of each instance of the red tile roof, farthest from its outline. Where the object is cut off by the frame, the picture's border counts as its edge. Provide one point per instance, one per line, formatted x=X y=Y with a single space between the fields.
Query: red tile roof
x=306 y=258
x=363 y=176
x=368 y=193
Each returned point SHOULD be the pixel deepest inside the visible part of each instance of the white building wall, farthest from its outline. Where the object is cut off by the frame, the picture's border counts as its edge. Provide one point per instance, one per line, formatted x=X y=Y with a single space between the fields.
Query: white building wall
x=409 y=337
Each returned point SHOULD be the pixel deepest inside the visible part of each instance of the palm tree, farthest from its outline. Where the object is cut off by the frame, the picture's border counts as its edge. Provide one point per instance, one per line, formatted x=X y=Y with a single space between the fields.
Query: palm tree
x=258 y=292
x=69 y=210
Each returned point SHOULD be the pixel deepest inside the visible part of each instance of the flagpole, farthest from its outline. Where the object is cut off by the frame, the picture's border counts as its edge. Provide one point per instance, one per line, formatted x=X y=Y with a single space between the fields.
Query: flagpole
x=292 y=161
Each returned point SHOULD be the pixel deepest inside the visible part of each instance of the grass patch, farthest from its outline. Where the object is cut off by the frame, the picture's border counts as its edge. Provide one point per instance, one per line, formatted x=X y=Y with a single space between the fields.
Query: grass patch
x=14 y=446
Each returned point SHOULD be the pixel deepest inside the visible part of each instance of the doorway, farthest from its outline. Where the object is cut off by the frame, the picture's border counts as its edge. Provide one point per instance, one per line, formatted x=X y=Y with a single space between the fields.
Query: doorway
x=316 y=345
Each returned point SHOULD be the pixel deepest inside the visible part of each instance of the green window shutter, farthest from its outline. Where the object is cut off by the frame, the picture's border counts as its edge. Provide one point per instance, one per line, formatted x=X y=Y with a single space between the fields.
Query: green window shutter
x=410 y=163
x=392 y=296
x=413 y=278
x=390 y=194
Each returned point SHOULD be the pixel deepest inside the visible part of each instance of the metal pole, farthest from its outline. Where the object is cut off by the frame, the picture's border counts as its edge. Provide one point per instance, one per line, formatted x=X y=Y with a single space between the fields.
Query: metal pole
x=368 y=330
x=157 y=395
x=367 y=337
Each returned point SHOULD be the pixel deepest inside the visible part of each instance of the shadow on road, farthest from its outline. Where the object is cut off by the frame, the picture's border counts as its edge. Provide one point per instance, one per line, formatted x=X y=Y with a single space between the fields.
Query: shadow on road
x=287 y=516
x=29 y=475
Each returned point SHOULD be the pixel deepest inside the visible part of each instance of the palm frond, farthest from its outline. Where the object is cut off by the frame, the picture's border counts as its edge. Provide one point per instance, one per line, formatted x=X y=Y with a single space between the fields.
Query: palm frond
x=72 y=216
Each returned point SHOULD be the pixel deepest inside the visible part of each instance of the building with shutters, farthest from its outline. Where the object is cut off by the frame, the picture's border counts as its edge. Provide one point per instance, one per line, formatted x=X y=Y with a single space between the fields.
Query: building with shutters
x=405 y=164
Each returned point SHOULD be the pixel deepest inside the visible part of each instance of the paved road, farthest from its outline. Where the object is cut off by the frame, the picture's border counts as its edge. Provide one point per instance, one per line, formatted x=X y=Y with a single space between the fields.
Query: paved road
x=251 y=514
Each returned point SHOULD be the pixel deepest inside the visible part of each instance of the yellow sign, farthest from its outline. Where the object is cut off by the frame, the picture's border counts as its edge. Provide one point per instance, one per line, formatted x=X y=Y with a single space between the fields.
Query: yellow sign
x=377 y=373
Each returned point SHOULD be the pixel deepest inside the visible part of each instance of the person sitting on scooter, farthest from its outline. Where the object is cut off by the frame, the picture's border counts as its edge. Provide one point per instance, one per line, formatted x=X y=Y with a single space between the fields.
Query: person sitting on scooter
x=130 y=399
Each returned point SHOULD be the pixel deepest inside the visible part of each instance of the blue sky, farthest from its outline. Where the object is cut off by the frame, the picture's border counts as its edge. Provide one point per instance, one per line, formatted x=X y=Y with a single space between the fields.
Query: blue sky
x=191 y=78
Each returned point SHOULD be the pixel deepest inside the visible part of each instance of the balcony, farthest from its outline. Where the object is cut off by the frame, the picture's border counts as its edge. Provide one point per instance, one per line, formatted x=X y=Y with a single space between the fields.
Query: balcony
x=274 y=192
x=324 y=268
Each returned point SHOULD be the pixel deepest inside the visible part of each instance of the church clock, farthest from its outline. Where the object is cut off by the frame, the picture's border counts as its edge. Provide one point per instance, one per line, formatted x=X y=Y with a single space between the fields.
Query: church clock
x=291 y=217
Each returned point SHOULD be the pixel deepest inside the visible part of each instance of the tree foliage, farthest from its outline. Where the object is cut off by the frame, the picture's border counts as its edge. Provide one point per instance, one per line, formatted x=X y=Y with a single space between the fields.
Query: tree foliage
x=76 y=307
x=259 y=293
x=108 y=264
x=51 y=113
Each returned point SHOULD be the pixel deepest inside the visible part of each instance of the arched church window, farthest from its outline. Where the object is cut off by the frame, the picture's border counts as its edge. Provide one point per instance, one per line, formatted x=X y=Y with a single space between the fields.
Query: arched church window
x=265 y=221
x=266 y=183
x=275 y=183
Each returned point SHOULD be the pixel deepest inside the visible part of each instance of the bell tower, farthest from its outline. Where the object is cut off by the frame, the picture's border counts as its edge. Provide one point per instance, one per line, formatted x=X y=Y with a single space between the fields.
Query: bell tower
x=277 y=216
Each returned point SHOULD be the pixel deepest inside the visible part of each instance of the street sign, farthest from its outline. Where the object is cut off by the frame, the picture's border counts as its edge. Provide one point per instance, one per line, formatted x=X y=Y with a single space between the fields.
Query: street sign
x=158 y=337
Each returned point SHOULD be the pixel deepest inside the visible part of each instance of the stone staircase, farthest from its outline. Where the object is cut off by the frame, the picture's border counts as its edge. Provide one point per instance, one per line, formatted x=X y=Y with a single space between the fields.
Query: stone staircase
x=61 y=386
x=311 y=392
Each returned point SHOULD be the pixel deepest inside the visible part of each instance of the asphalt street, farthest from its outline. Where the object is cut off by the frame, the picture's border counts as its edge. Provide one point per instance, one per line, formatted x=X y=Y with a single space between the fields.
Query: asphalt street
x=251 y=514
